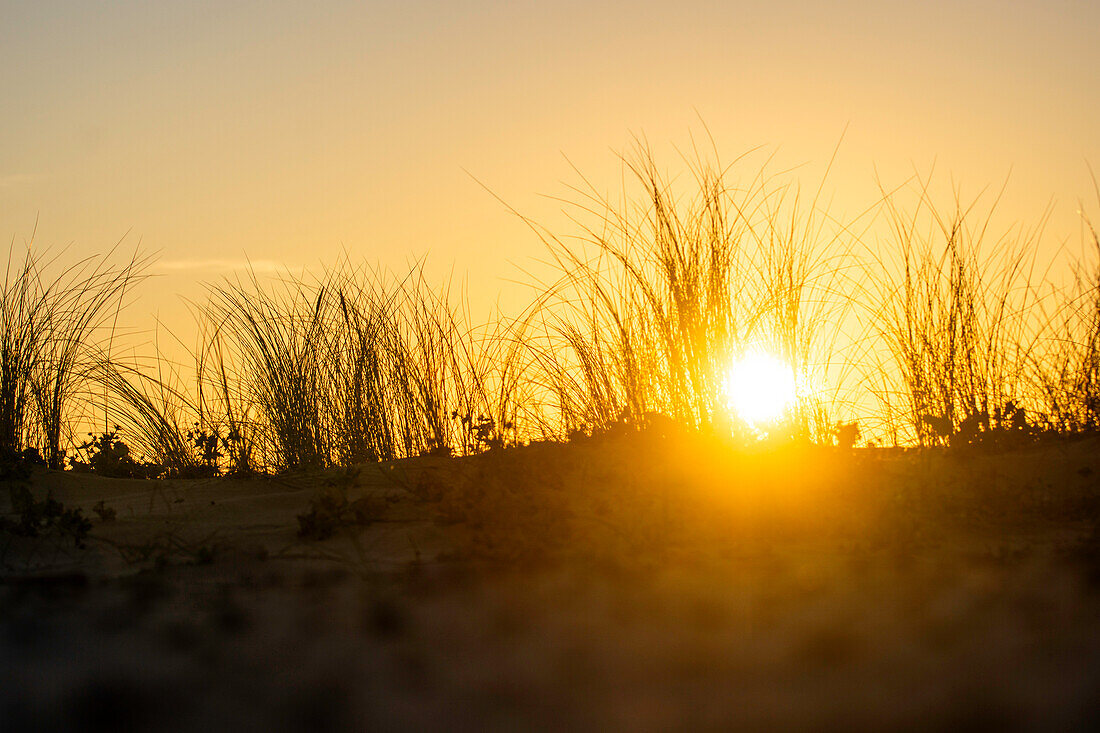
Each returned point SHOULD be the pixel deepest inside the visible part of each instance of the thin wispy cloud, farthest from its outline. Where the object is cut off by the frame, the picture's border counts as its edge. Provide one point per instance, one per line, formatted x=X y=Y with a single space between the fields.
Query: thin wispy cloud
x=14 y=180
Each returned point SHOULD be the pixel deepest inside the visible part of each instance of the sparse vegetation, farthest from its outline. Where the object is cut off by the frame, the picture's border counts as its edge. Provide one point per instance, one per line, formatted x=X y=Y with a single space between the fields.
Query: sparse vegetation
x=333 y=509
x=1069 y=373
x=960 y=316
x=43 y=517
x=108 y=455
x=945 y=335
x=56 y=323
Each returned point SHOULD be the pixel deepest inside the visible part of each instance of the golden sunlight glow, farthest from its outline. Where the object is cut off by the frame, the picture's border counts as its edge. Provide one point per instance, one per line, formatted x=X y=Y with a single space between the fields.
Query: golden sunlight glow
x=759 y=388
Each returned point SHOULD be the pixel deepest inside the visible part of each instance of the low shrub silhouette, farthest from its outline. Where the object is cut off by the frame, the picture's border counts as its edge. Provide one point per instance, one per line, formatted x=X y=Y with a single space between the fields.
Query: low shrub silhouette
x=107 y=455
x=332 y=509
x=42 y=517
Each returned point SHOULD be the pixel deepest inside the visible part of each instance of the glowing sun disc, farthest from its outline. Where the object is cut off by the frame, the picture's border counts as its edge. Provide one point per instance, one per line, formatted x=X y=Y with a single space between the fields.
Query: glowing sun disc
x=759 y=388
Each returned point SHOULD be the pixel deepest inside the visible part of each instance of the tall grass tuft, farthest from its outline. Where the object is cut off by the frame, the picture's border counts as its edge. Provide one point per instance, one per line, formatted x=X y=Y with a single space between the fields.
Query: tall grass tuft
x=1069 y=369
x=154 y=413
x=55 y=323
x=350 y=367
x=959 y=315
x=24 y=311
x=277 y=336
x=660 y=293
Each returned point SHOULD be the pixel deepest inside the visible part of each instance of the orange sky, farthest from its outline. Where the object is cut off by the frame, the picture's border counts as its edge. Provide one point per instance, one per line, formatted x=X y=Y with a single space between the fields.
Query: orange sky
x=287 y=132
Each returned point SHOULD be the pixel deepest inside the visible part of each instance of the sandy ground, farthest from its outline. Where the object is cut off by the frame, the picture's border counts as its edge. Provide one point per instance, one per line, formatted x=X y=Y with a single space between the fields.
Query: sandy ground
x=199 y=606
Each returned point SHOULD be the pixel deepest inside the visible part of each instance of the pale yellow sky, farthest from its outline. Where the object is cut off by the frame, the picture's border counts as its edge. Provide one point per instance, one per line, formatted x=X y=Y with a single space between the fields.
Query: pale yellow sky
x=289 y=132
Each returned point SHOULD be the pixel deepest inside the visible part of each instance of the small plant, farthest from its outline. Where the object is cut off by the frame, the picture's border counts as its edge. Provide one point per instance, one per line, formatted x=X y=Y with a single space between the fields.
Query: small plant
x=332 y=509
x=846 y=434
x=17 y=465
x=1008 y=425
x=108 y=455
x=42 y=517
x=437 y=449
x=482 y=432
x=210 y=447
x=168 y=548
x=207 y=445
x=105 y=513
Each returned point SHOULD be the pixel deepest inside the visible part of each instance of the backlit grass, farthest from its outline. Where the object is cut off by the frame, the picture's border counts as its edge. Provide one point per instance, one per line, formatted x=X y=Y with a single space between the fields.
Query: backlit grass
x=928 y=327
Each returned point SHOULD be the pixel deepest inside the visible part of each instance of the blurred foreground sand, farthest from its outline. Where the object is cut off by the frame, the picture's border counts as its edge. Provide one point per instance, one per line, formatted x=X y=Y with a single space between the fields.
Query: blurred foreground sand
x=970 y=599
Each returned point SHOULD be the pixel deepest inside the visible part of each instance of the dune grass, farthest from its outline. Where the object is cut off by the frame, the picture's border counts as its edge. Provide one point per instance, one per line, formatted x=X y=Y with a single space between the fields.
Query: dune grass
x=349 y=367
x=960 y=315
x=659 y=294
x=1068 y=375
x=930 y=329
x=56 y=327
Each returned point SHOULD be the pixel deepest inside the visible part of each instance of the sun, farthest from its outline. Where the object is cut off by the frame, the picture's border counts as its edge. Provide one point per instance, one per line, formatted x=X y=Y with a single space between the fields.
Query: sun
x=759 y=388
